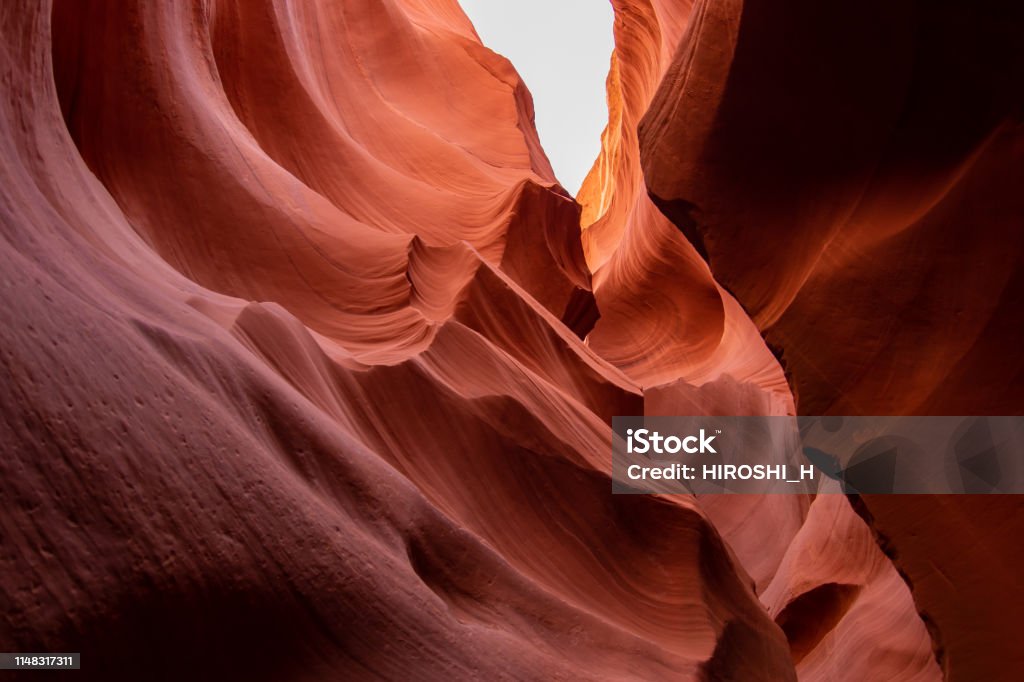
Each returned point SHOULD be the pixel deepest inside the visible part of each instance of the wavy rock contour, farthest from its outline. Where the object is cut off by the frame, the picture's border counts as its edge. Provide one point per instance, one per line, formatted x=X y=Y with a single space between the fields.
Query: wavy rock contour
x=308 y=368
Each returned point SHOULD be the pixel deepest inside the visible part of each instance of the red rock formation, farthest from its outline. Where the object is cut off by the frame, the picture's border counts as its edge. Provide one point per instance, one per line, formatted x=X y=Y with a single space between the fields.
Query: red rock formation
x=878 y=245
x=930 y=147
x=395 y=467
x=294 y=385
x=663 y=317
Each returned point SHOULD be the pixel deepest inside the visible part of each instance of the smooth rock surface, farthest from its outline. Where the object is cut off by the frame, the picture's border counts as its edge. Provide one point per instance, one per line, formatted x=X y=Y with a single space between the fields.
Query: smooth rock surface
x=308 y=369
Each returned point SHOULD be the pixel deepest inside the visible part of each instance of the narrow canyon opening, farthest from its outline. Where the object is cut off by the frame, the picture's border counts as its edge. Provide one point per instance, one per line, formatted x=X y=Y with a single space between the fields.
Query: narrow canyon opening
x=562 y=51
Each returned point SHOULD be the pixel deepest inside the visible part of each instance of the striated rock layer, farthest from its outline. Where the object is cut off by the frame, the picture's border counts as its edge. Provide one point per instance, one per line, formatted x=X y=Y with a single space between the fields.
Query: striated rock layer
x=663 y=317
x=288 y=384
x=878 y=150
x=309 y=370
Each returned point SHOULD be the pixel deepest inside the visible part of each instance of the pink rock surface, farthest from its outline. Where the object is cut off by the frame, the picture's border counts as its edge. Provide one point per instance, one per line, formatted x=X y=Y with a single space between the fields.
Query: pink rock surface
x=309 y=371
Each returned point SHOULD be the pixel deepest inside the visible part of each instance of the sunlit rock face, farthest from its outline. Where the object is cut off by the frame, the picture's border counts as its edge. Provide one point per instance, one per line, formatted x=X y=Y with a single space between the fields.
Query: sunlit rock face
x=663 y=317
x=309 y=369
x=669 y=325
x=877 y=150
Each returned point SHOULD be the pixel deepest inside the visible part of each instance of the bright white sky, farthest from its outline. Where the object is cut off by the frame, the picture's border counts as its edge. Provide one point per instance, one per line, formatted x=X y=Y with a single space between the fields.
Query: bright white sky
x=561 y=48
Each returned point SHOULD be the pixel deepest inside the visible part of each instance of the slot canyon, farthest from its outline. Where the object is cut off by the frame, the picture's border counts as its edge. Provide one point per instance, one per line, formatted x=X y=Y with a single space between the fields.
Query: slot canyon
x=309 y=362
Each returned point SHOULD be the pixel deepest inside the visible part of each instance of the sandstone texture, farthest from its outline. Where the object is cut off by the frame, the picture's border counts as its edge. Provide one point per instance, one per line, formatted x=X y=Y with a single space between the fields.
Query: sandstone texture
x=309 y=362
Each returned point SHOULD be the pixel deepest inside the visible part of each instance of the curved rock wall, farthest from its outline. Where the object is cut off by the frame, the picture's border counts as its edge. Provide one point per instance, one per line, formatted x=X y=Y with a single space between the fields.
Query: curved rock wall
x=308 y=372
x=878 y=150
